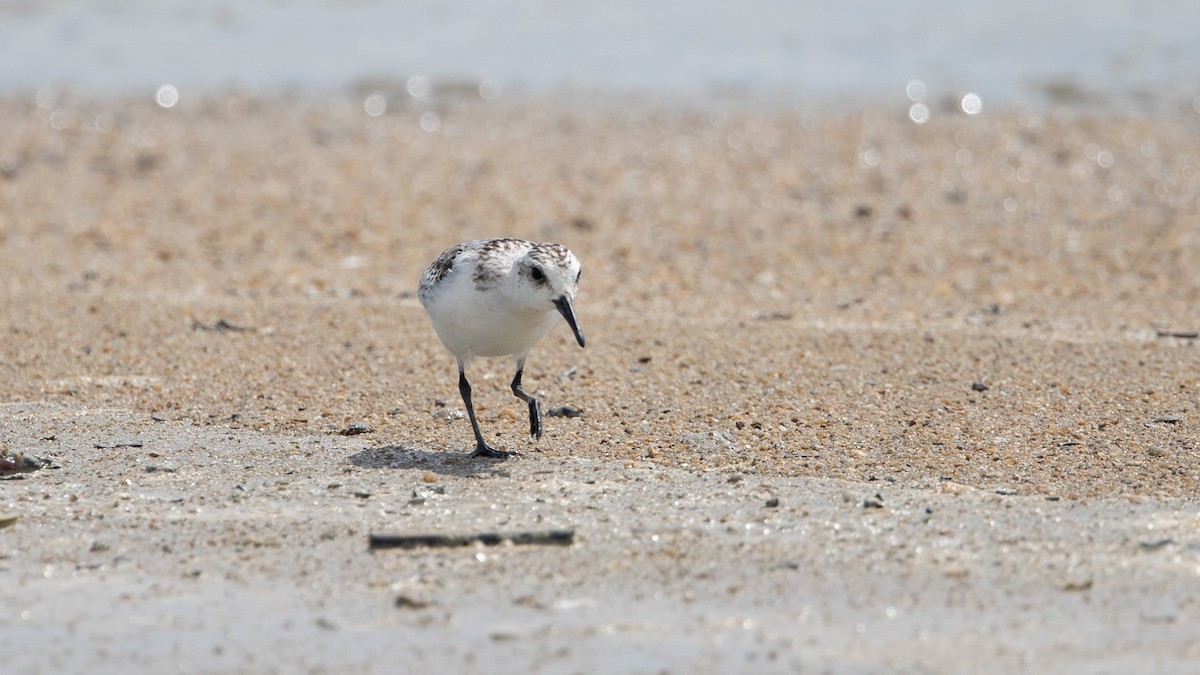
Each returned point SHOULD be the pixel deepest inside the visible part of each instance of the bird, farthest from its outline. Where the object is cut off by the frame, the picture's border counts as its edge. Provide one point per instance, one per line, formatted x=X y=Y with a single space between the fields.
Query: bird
x=499 y=297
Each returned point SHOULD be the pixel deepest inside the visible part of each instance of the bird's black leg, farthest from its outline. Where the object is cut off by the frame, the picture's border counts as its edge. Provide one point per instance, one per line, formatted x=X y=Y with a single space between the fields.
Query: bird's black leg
x=535 y=408
x=482 y=449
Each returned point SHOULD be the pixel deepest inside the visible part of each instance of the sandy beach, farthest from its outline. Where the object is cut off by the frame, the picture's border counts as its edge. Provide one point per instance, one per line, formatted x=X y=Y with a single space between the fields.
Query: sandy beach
x=859 y=395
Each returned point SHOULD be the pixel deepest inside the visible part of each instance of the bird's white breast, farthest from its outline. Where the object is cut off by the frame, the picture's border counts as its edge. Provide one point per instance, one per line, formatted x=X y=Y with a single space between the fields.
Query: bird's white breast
x=472 y=322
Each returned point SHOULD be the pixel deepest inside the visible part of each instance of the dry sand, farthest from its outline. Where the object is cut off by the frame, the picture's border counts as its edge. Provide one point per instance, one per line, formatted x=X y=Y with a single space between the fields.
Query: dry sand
x=859 y=395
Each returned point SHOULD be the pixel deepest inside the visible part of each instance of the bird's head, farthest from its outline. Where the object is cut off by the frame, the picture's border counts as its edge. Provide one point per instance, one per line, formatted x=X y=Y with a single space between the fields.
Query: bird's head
x=552 y=273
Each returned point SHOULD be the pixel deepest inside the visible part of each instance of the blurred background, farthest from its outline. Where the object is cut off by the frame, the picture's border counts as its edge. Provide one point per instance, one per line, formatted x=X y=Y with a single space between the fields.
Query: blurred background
x=1074 y=51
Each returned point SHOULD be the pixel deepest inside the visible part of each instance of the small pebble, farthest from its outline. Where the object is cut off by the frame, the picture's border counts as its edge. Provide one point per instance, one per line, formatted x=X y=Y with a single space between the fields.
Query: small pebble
x=952 y=488
x=160 y=468
x=1078 y=585
x=356 y=429
x=405 y=602
x=565 y=411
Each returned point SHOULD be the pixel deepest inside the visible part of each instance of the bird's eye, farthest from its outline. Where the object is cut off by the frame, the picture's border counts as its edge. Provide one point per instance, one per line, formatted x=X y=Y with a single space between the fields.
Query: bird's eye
x=537 y=274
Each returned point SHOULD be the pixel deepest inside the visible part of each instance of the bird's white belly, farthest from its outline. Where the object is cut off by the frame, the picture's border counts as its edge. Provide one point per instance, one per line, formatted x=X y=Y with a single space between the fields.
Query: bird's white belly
x=487 y=331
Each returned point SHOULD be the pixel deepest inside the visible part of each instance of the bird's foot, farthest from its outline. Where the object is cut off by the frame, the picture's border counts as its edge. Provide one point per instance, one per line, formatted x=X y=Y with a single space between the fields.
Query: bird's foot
x=535 y=419
x=483 y=450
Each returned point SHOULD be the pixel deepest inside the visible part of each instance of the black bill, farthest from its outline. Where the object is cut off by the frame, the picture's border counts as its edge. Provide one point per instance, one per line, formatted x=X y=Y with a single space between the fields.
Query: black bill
x=563 y=304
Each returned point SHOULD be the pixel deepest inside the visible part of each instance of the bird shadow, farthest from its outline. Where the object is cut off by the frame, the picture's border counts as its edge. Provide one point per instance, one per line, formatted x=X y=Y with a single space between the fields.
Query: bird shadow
x=446 y=463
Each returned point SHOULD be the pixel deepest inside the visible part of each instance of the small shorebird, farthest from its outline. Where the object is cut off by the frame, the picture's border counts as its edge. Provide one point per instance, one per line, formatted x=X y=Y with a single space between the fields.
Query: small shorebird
x=498 y=297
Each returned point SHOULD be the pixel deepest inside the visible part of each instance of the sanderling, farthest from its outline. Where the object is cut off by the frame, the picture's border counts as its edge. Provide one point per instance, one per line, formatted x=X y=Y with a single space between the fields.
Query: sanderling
x=498 y=297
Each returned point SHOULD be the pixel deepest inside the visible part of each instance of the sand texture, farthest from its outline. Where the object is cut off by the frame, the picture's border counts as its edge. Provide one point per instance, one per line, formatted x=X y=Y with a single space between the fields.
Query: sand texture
x=859 y=395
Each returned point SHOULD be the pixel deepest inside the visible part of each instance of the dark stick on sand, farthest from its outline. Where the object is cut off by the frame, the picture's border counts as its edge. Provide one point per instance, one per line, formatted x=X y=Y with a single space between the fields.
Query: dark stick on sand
x=1182 y=334
x=542 y=538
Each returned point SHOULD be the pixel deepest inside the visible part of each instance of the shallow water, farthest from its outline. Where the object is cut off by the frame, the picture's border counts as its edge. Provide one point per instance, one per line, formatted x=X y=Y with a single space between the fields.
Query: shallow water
x=1064 y=51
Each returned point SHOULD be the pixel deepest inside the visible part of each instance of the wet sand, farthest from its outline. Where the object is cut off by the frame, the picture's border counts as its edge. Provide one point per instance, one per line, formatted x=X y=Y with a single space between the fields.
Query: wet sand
x=960 y=355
